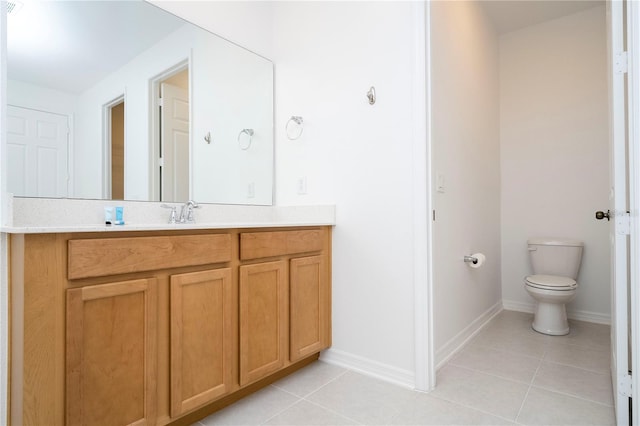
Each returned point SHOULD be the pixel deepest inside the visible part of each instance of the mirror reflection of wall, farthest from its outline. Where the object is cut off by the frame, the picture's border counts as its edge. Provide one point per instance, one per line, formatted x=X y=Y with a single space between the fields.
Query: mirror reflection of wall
x=225 y=89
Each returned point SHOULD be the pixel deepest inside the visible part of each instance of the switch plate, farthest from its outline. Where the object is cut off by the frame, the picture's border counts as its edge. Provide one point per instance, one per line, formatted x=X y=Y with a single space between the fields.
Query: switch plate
x=302 y=185
x=440 y=182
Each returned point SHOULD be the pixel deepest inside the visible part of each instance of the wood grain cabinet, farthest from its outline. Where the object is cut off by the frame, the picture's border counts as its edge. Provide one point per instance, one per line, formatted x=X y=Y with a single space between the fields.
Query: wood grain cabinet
x=111 y=371
x=263 y=322
x=202 y=349
x=156 y=328
x=308 y=304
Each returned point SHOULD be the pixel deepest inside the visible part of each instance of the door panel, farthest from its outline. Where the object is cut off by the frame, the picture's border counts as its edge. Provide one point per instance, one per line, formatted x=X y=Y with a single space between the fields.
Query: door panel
x=263 y=324
x=618 y=206
x=202 y=339
x=111 y=354
x=175 y=143
x=37 y=148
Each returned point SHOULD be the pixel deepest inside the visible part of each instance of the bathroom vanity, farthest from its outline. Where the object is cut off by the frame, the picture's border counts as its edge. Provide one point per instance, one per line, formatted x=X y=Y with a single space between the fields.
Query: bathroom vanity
x=162 y=326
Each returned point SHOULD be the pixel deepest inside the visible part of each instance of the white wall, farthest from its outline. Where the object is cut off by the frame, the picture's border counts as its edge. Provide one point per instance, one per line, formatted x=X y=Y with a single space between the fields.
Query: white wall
x=358 y=156
x=554 y=152
x=466 y=152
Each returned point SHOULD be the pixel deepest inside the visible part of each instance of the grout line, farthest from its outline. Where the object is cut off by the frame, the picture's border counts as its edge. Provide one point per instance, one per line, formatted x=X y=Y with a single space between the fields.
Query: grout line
x=315 y=390
x=533 y=378
x=333 y=411
x=281 y=411
x=441 y=398
x=572 y=396
x=600 y=372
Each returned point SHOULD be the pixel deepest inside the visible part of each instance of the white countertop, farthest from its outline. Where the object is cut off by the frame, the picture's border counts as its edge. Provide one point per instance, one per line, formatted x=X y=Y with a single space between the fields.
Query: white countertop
x=47 y=215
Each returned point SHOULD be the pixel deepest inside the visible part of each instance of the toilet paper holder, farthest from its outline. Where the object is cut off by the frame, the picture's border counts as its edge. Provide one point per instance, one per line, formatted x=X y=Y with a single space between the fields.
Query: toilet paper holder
x=471 y=259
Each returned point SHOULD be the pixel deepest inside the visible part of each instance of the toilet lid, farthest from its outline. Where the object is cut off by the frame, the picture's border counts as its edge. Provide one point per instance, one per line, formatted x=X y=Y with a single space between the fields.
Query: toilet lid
x=551 y=282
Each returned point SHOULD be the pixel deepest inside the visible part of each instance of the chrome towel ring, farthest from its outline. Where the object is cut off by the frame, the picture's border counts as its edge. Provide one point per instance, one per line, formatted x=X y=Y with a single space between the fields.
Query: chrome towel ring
x=298 y=121
x=245 y=142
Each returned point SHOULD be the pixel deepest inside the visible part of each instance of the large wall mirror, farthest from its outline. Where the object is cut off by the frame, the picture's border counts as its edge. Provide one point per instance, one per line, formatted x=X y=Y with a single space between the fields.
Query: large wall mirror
x=123 y=100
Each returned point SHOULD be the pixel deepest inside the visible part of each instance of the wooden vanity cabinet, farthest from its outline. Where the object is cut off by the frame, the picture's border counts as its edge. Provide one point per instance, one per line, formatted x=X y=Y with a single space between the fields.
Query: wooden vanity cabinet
x=202 y=338
x=111 y=368
x=285 y=312
x=153 y=328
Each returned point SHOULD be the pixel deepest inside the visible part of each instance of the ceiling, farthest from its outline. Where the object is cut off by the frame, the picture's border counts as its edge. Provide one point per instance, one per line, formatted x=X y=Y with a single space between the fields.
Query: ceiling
x=71 y=45
x=511 y=15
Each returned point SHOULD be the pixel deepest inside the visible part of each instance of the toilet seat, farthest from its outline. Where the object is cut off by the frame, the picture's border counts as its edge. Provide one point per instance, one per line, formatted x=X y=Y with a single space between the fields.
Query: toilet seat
x=551 y=282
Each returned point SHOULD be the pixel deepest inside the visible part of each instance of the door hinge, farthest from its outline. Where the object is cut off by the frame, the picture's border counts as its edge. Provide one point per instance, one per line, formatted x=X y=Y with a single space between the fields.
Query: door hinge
x=620 y=63
x=624 y=385
x=159 y=102
x=623 y=223
x=161 y=162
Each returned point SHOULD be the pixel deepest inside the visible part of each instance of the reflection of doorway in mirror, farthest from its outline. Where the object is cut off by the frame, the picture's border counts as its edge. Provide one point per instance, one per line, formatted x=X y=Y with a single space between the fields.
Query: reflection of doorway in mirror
x=174 y=137
x=37 y=149
x=117 y=152
x=113 y=143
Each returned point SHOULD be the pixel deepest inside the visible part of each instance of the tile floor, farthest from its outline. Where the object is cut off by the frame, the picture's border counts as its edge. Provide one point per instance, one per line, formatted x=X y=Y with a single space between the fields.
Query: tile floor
x=508 y=374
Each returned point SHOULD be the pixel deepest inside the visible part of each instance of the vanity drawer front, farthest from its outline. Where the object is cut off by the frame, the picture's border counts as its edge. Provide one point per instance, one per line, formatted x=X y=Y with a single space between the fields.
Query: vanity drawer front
x=254 y=245
x=111 y=256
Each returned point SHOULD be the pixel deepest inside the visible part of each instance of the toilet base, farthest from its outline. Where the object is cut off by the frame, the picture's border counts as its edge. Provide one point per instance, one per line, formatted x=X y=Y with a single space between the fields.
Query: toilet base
x=551 y=319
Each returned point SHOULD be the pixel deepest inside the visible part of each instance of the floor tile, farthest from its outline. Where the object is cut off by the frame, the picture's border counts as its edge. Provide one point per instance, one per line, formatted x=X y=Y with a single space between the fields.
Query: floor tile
x=575 y=381
x=310 y=378
x=491 y=394
x=544 y=407
x=361 y=398
x=509 y=365
x=594 y=358
x=524 y=342
x=306 y=413
x=586 y=334
x=428 y=410
x=255 y=409
x=508 y=374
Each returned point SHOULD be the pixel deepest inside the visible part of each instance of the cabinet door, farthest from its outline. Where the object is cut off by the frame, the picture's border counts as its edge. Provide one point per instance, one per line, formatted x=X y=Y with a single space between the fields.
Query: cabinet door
x=263 y=321
x=111 y=353
x=309 y=309
x=202 y=340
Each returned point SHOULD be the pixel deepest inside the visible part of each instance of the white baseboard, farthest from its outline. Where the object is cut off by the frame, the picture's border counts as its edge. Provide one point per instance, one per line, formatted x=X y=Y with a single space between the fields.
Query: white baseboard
x=454 y=345
x=368 y=367
x=595 y=317
x=512 y=305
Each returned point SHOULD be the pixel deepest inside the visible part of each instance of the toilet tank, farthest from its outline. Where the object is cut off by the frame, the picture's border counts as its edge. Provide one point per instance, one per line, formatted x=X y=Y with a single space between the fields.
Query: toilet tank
x=553 y=256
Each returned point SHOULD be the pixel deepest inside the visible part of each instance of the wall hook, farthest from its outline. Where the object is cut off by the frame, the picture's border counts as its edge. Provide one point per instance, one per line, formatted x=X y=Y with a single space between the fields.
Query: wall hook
x=371 y=94
x=207 y=137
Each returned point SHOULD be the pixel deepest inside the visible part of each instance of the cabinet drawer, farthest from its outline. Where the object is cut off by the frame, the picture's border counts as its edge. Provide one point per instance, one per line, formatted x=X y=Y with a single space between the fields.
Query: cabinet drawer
x=111 y=256
x=254 y=245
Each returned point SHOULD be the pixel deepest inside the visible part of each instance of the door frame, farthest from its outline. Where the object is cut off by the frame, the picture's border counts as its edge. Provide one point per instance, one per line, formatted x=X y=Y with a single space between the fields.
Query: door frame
x=106 y=142
x=155 y=123
x=424 y=376
x=633 y=49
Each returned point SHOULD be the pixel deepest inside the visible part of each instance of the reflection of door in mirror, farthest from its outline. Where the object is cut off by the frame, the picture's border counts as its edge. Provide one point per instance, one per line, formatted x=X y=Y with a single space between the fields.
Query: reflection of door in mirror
x=37 y=147
x=174 y=138
x=117 y=151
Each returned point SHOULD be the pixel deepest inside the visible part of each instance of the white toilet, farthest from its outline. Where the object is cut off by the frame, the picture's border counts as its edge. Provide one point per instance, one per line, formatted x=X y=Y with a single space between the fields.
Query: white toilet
x=555 y=265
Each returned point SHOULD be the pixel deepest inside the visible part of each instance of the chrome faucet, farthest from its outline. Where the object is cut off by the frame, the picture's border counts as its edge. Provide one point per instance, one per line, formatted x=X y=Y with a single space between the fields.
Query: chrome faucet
x=186 y=212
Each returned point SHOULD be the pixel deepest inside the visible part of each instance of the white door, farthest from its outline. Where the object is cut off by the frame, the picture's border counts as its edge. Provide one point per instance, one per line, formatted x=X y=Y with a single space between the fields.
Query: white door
x=618 y=206
x=174 y=175
x=37 y=148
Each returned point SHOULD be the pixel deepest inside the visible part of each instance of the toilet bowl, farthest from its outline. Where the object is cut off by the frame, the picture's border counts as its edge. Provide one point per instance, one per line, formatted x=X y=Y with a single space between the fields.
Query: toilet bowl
x=551 y=293
x=555 y=264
